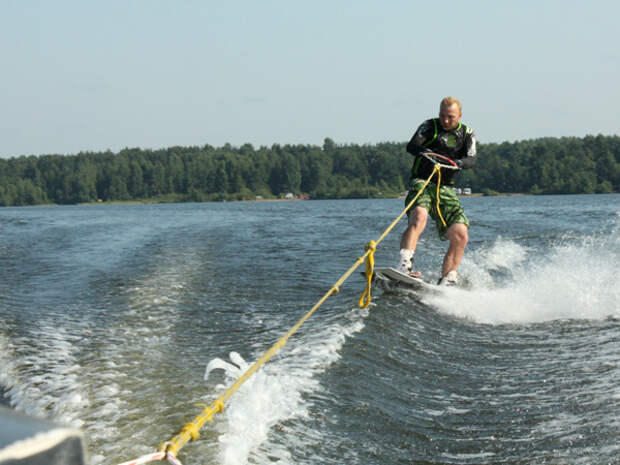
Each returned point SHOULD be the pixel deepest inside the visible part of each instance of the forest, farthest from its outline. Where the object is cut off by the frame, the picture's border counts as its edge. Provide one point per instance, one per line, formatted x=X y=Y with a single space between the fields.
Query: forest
x=567 y=165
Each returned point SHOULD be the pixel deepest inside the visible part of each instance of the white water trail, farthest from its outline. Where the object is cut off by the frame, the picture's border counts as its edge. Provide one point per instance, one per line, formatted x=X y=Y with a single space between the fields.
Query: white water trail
x=513 y=284
x=44 y=380
x=276 y=393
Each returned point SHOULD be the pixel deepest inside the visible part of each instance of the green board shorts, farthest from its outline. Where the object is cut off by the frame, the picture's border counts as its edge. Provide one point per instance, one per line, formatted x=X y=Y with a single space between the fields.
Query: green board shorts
x=449 y=204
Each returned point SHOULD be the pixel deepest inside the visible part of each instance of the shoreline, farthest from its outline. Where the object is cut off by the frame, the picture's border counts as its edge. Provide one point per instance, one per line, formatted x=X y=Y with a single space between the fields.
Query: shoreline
x=148 y=201
x=157 y=202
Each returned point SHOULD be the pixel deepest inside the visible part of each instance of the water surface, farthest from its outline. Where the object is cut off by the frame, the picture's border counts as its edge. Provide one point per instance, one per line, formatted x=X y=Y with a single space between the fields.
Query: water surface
x=109 y=315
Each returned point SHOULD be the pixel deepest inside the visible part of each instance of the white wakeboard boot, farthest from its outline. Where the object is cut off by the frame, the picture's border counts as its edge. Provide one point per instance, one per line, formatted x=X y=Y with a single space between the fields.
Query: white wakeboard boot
x=405 y=264
x=450 y=279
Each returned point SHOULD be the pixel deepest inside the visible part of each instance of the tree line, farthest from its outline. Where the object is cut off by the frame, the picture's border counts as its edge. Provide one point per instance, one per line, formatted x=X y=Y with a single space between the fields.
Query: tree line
x=567 y=165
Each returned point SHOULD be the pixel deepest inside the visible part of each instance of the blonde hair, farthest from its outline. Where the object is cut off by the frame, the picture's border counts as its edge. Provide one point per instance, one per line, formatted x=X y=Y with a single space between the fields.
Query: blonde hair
x=447 y=101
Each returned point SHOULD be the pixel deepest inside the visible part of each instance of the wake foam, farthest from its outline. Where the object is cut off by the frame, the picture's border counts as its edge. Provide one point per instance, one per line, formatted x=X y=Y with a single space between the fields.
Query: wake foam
x=511 y=283
x=44 y=380
x=277 y=392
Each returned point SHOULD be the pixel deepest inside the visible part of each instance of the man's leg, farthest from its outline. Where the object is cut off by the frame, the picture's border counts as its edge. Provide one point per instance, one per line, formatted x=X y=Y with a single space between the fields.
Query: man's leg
x=458 y=236
x=417 y=223
x=409 y=239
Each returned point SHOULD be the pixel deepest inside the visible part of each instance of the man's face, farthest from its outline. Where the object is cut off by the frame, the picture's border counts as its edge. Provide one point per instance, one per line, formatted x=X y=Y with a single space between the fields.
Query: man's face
x=449 y=116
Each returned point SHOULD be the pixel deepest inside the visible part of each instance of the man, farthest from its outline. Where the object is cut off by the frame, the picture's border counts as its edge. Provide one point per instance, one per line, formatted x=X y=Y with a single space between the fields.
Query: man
x=449 y=137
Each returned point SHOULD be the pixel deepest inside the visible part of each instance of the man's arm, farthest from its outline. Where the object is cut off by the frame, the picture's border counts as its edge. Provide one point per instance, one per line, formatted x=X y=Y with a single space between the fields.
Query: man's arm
x=469 y=160
x=422 y=136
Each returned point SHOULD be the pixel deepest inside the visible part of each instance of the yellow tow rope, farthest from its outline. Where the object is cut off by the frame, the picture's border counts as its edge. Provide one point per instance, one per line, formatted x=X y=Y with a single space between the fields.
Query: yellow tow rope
x=191 y=431
x=438 y=185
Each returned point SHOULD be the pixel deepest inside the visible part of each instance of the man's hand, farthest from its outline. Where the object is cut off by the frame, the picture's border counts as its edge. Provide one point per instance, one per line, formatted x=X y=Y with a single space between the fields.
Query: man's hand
x=459 y=164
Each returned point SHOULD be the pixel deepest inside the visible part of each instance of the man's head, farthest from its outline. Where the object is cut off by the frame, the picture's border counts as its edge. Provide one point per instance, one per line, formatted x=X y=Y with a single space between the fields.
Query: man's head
x=450 y=113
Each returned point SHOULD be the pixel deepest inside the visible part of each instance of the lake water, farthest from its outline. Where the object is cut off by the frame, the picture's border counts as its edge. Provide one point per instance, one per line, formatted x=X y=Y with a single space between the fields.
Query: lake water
x=109 y=315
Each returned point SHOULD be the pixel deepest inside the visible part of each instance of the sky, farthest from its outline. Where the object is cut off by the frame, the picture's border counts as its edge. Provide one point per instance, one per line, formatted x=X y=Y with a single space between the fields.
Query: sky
x=96 y=76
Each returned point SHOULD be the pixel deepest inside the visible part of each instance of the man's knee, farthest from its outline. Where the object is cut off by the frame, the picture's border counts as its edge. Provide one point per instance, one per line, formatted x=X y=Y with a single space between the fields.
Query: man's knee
x=418 y=217
x=458 y=234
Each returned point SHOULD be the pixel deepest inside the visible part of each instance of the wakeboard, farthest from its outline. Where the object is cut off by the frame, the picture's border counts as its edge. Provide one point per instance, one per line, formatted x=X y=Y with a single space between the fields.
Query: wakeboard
x=390 y=279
